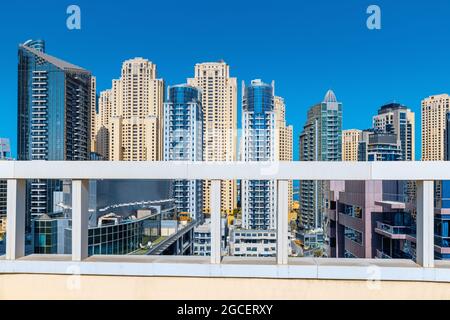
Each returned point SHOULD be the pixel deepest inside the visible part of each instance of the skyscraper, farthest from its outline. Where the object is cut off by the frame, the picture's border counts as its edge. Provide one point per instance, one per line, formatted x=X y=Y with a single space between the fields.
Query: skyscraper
x=259 y=144
x=350 y=142
x=5 y=149
x=183 y=141
x=442 y=210
x=54 y=103
x=372 y=208
x=130 y=114
x=447 y=137
x=379 y=146
x=368 y=219
x=93 y=114
x=397 y=119
x=5 y=154
x=434 y=110
x=321 y=140
x=434 y=114
x=219 y=101
x=102 y=123
x=285 y=139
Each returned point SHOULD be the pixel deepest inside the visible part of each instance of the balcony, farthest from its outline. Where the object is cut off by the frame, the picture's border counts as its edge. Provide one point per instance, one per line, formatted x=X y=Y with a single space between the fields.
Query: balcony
x=395 y=255
x=443 y=242
x=442 y=245
x=213 y=269
x=382 y=255
x=395 y=232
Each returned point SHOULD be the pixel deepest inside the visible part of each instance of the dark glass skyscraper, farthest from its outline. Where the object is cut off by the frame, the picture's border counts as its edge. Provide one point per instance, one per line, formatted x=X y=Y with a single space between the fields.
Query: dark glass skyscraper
x=53 y=116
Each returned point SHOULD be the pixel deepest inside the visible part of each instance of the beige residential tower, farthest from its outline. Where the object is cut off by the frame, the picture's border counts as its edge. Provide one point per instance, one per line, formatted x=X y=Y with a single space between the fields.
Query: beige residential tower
x=219 y=101
x=285 y=137
x=130 y=115
x=350 y=142
x=434 y=111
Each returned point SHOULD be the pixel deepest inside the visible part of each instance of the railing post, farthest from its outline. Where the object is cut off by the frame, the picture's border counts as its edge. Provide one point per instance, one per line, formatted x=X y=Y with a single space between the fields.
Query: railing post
x=80 y=218
x=425 y=224
x=15 y=228
x=282 y=222
x=216 y=237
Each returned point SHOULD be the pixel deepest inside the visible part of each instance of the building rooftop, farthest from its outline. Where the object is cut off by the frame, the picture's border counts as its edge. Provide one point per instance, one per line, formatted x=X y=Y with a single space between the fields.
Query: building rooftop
x=330 y=97
x=391 y=107
x=204 y=228
x=61 y=64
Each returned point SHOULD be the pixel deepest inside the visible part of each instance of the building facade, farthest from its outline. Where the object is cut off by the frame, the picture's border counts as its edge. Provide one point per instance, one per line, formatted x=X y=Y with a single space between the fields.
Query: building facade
x=45 y=233
x=202 y=238
x=102 y=124
x=379 y=146
x=120 y=237
x=442 y=211
x=434 y=118
x=253 y=243
x=260 y=139
x=397 y=119
x=285 y=140
x=374 y=219
x=321 y=140
x=434 y=112
x=93 y=115
x=183 y=141
x=130 y=114
x=219 y=104
x=53 y=117
x=369 y=219
x=350 y=142
x=5 y=154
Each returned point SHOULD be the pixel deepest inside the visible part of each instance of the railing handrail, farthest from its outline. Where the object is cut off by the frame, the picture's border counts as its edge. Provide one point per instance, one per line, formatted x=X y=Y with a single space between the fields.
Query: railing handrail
x=295 y=170
x=80 y=172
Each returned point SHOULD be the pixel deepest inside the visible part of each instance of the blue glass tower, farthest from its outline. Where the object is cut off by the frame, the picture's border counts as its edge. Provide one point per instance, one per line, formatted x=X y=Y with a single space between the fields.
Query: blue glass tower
x=53 y=116
x=183 y=141
x=259 y=144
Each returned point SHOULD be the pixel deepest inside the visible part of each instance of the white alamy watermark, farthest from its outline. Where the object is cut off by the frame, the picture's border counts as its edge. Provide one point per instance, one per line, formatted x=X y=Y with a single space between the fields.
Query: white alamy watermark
x=74 y=280
x=374 y=19
x=73 y=22
x=374 y=278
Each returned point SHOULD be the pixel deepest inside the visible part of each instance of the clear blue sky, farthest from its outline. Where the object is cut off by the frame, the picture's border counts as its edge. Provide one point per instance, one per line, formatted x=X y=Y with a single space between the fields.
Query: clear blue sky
x=307 y=47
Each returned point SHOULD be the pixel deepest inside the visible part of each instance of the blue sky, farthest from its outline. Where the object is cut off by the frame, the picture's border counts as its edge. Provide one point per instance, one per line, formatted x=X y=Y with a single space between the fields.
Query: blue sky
x=307 y=47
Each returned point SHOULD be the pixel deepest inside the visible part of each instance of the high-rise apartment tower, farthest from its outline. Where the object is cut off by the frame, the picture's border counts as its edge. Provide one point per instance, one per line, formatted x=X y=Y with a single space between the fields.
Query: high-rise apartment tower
x=219 y=101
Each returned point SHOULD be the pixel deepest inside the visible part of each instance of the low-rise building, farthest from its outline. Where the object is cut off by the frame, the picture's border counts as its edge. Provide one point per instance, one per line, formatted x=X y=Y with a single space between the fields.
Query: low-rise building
x=202 y=238
x=253 y=243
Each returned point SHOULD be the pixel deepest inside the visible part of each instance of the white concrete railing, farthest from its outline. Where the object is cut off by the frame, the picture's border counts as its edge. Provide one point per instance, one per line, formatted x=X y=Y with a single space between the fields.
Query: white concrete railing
x=424 y=173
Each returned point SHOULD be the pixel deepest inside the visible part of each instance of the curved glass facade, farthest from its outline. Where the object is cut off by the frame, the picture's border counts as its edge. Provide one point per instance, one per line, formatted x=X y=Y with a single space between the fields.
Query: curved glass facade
x=127 y=237
x=259 y=145
x=38 y=45
x=183 y=141
x=258 y=98
x=184 y=94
